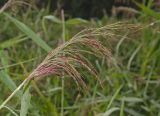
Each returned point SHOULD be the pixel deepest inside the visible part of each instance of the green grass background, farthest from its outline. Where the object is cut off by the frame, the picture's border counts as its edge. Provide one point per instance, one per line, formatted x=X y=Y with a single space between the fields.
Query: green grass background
x=131 y=90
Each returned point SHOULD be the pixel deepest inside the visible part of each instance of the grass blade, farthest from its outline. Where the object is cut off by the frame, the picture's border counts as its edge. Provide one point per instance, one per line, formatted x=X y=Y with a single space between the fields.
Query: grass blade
x=114 y=96
x=53 y=19
x=13 y=41
x=132 y=99
x=75 y=21
x=29 y=33
x=4 y=77
x=122 y=108
x=110 y=111
x=25 y=103
x=148 y=11
x=14 y=113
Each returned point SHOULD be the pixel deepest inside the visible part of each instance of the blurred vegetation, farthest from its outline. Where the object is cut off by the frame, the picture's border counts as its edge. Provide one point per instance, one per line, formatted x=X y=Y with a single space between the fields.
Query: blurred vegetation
x=130 y=90
x=85 y=9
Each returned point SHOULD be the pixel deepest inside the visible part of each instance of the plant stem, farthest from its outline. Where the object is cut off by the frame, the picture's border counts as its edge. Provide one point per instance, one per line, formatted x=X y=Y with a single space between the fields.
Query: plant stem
x=63 y=41
x=6 y=6
x=13 y=93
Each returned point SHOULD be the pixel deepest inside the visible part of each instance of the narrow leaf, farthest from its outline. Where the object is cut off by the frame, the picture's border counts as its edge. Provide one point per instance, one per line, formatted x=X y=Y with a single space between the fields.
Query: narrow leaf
x=29 y=33
x=4 y=77
x=53 y=19
x=132 y=99
x=13 y=41
x=148 y=10
x=25 y=103
x=110 y=111
x=76 y=21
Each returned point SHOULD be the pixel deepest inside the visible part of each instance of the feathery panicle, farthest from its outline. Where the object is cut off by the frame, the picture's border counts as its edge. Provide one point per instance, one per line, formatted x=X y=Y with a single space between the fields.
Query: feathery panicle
x=61 y=61
x=68 y=57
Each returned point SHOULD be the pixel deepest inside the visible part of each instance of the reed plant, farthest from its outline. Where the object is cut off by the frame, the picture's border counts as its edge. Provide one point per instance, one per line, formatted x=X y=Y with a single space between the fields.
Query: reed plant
x=68 y=57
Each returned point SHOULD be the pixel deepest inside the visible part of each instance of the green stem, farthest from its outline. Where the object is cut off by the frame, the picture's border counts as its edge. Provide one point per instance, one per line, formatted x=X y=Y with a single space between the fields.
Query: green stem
x=63 y=38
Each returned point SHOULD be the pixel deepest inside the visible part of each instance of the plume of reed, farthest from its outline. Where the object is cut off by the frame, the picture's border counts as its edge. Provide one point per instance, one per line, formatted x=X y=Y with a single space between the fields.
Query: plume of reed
x=63 y=59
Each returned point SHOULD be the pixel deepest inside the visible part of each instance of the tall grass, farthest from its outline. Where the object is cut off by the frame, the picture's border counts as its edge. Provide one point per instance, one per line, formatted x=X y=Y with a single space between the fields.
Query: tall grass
x=63 y=59
x=129 y=87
